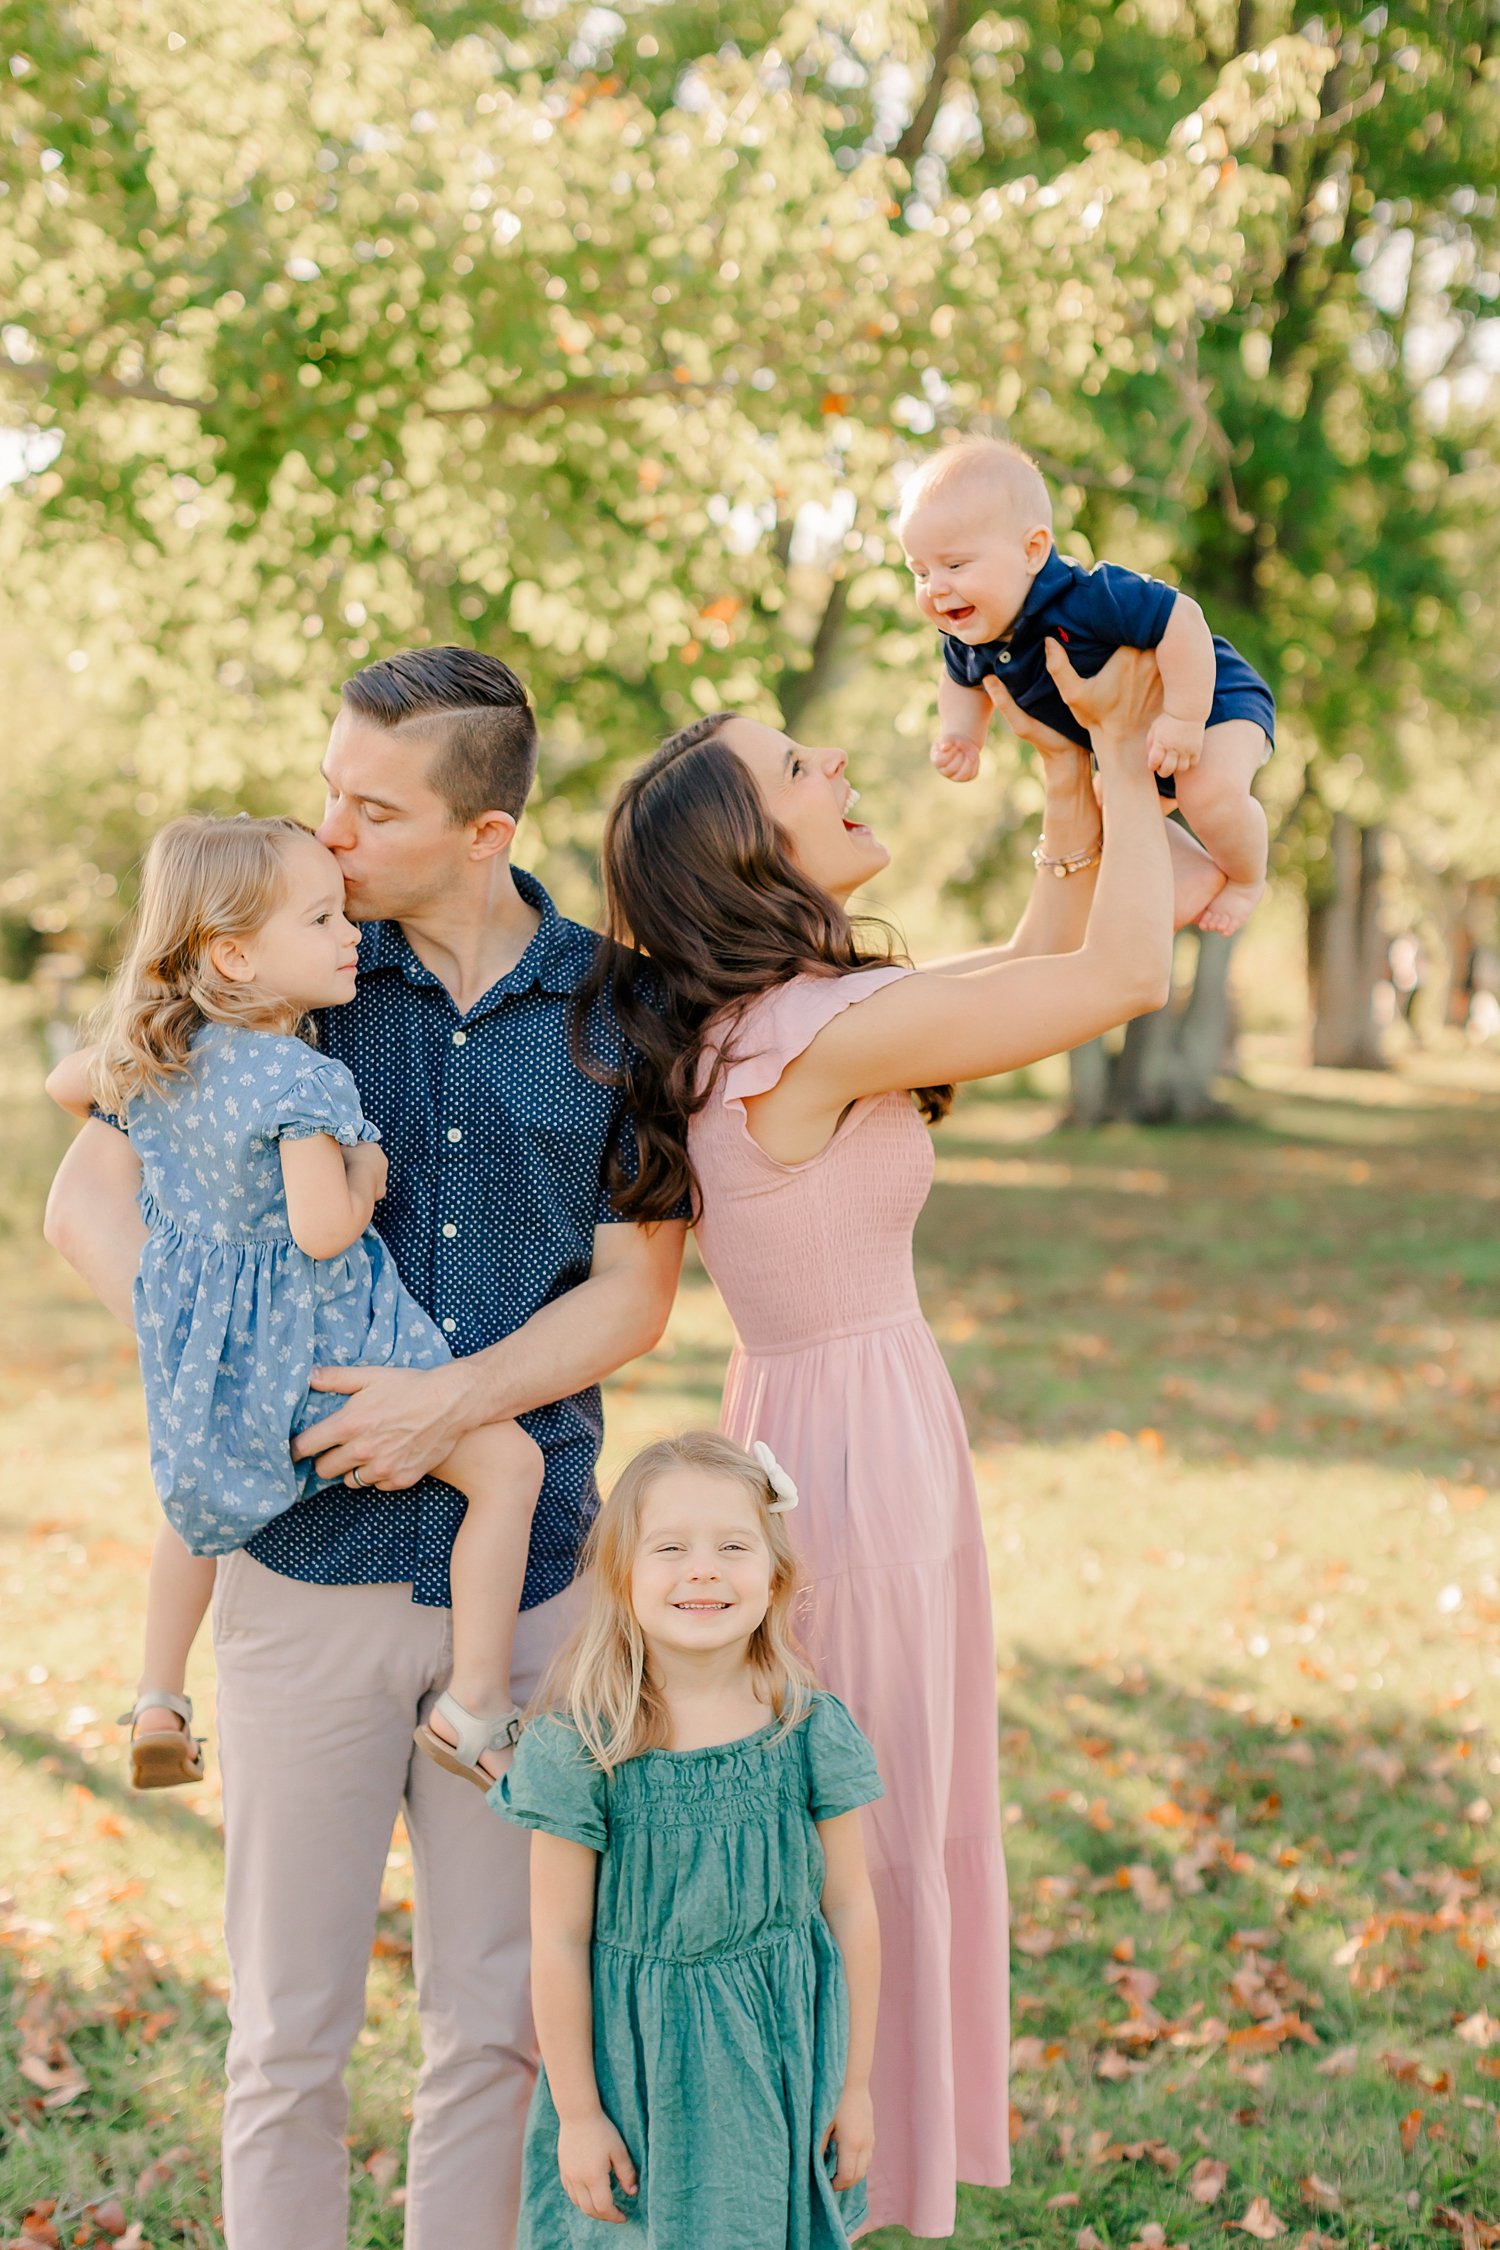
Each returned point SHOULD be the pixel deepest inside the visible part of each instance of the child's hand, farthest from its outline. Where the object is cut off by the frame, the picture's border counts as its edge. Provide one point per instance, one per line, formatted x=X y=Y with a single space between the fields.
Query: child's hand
x=367 y=1165
x=588 y=2150
x=956 y=758
x=853 y=2132
x=1173 y=745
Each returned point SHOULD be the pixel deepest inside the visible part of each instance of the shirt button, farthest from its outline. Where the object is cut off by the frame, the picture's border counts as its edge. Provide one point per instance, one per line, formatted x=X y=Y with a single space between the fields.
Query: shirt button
x=449 y=1326
x=449 y=1231
x=459 y=1037
x=1005 y=656
x=455 y=1133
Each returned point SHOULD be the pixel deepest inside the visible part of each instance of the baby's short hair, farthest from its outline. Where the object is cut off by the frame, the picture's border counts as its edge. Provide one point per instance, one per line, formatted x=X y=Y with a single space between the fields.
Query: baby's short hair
x=990 y=465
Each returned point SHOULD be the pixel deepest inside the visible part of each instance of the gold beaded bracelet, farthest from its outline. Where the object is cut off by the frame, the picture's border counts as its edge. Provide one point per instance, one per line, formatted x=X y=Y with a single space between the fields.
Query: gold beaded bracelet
x=1068 y=863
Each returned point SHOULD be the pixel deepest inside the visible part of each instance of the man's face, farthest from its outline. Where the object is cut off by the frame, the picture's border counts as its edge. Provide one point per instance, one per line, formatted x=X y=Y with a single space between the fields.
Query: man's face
x=398 y=848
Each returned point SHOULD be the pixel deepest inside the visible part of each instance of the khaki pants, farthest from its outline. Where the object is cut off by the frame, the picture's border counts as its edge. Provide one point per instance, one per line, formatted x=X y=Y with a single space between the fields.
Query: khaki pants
x=319 y=1689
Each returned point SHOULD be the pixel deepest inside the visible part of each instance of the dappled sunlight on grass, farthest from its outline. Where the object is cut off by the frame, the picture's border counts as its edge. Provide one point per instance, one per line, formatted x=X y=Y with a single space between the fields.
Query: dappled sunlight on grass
x=1233 y=1398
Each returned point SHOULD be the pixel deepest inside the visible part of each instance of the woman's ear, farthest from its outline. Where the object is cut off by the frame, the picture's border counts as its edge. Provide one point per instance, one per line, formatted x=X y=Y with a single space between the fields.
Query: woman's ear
x=229 y=960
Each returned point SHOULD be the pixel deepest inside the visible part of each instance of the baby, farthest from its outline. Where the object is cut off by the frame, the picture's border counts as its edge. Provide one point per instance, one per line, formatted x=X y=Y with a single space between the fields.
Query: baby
x=976 y=523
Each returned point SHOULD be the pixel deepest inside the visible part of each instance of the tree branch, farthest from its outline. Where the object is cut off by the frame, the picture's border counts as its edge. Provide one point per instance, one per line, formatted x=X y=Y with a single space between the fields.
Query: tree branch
x=947 y=31
x=40 y=376
x=799 y=689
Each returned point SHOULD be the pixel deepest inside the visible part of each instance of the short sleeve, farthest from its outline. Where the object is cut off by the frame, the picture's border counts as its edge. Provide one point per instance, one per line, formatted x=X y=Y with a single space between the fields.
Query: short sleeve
x=322 y=1100
x=784 y=1022
x=554 y=1785
x=841 y=1769
x=1131 y=610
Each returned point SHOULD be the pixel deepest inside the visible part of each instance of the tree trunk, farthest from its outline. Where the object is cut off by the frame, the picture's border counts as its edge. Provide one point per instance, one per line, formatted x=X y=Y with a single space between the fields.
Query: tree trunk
x=1163 y=1073
x=1346 y=950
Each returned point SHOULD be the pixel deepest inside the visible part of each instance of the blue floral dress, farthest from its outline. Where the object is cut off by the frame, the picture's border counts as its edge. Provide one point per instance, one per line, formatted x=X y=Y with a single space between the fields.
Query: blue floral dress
x=231 y=1316
x=720 y=2009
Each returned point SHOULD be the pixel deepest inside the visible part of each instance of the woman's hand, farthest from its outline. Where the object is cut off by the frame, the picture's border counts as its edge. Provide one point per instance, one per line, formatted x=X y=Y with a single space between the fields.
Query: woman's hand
x=853 y=2134
x=1118 y=703
x=589 y=2149
x=1044 y=739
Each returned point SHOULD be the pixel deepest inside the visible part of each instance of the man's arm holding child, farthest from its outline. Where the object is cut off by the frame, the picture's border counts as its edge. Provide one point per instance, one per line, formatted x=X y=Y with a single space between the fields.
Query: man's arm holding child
x=399 y=1421
x=93 y=1219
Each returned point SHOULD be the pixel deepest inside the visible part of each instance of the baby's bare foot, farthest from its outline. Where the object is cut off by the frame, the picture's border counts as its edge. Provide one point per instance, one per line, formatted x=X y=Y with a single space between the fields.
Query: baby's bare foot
x=1232 y=908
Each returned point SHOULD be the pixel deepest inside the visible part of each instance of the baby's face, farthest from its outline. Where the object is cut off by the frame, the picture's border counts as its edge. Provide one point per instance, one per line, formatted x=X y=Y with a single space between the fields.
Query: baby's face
x=972 y=561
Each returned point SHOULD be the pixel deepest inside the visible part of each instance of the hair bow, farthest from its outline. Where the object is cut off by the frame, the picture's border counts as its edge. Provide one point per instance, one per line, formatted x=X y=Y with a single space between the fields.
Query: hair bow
x=781 y=1484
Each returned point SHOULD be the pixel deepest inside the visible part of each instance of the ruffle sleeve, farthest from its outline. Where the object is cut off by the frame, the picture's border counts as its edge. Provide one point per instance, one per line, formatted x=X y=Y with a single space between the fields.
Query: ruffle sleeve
x=841 y=1768
x=554 y=1785
x=784 y=1022
x=323 y=1099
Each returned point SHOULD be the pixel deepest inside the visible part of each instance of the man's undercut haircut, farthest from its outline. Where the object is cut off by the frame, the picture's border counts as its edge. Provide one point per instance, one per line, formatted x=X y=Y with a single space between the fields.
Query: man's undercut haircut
x=472 y=712
x=1006 y=476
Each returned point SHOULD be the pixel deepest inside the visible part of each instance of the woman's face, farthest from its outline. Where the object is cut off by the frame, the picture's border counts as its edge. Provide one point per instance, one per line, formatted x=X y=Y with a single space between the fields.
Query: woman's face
x=807 y=794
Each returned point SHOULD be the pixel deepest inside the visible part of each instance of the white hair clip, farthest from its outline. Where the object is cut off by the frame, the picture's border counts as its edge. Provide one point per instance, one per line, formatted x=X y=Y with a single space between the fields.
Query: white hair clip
x=781 y=1484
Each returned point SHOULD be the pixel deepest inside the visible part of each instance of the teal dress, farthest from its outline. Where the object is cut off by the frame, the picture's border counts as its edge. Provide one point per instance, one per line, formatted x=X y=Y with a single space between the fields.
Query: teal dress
x=720 y=2011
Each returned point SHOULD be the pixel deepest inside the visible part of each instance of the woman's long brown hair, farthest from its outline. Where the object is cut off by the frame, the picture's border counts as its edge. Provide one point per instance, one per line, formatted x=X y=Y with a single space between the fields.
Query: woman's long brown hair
x=700 y=880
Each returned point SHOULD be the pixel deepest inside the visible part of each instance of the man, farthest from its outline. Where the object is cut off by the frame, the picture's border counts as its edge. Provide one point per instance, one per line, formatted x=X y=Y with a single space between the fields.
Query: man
x=331 y=1630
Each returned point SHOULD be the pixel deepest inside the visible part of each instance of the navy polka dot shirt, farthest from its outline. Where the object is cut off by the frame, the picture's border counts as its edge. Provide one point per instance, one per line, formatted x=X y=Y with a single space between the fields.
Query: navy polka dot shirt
x=497 y=1144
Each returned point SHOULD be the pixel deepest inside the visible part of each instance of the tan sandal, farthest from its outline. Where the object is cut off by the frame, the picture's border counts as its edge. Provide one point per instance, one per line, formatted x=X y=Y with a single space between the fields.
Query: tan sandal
x=475 y=1736
x=163 y=1759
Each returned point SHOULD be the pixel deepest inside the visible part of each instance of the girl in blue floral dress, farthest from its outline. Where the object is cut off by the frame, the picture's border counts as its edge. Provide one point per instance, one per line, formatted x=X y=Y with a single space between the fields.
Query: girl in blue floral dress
x=259 y=1177
x=705 y=1953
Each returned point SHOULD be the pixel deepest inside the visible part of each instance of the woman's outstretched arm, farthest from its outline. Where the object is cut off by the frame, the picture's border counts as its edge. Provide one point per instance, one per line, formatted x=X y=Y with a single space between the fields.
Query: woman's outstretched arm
x=1056 y=913
x=936 y=1027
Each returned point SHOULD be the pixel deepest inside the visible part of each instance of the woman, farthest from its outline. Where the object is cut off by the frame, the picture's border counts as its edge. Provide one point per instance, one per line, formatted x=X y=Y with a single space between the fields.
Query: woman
x=775 y=1083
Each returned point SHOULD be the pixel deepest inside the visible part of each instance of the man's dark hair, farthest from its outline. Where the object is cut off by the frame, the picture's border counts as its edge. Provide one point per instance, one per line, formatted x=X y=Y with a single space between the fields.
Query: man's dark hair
x=473 y=711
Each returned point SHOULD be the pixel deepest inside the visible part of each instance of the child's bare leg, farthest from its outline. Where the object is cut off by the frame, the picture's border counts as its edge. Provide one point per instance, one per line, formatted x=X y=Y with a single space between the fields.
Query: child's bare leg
x=178 y=1593
x=1219 y=804
x=498 y=1469
x=1196 y=878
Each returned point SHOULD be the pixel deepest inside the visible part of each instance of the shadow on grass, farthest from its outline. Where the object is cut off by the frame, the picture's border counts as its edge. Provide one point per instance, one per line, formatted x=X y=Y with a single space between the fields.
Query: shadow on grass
x=1238 y=1289
x=151 y=1809
x=1242 y=1937
x=1212 y=1903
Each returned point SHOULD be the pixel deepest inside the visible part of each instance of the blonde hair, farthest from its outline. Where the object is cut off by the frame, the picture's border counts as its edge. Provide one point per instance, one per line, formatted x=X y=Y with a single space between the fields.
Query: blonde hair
x=204 y=878
x=600 y=1680
x=994 y=463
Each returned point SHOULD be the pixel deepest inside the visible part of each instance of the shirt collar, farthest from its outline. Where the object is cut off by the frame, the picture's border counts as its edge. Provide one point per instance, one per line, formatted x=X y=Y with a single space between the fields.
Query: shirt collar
x=1049 y=581
x=554 y=961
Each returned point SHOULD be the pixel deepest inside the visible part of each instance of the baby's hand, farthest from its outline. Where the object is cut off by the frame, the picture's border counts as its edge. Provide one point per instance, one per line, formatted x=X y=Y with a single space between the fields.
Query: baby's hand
x=588 y=2150
x=1173 y=745
x=367 y=1160
x=853 y=2130
x=956 y=758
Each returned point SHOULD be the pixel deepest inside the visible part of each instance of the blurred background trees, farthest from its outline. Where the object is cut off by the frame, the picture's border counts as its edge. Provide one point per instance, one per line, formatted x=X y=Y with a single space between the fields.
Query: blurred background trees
x=602 y=337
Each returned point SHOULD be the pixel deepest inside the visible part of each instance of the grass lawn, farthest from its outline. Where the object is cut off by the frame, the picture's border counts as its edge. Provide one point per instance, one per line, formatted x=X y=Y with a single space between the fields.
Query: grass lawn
x=1233 y=1397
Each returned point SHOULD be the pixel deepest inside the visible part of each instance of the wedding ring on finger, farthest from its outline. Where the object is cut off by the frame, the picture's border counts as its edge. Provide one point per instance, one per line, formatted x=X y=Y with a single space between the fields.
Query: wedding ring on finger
x=357 y=1477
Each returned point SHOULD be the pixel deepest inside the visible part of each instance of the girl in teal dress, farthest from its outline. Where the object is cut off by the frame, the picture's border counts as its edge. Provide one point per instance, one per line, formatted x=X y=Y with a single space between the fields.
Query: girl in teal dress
x=705 y=1953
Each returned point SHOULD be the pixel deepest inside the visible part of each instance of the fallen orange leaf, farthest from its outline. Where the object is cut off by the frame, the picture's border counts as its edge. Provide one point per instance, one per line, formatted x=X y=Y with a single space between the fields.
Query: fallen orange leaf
x=1209 y=2180
x=1259 y=2220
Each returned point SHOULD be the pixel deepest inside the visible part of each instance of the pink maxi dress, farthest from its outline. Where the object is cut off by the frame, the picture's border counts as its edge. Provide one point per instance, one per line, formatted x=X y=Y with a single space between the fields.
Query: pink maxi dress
x=837 y=1370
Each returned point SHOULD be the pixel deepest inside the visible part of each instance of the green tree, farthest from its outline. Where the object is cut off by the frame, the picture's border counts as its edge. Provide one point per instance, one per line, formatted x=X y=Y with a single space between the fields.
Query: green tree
x=603 y=337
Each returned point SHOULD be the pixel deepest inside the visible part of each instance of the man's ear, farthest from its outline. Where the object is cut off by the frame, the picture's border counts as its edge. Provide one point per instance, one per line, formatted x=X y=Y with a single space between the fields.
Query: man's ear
x=229 y=960
x=491 y=834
